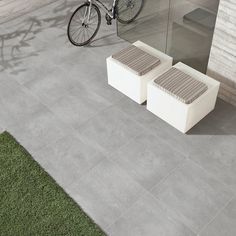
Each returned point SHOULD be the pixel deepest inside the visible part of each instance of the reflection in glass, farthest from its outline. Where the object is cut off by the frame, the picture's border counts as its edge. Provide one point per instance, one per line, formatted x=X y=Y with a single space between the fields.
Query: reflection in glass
x=190 y=31
x=181 y=28
x=150 y=26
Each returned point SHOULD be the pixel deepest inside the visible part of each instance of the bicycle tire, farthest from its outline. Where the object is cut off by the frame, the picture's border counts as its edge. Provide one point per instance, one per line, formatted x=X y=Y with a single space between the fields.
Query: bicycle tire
x=69 y=33
x=127 y=21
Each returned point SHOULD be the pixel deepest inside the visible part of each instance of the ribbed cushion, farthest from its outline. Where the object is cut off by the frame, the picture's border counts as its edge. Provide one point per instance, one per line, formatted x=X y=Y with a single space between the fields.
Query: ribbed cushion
x=180 y=85
x=139 y=61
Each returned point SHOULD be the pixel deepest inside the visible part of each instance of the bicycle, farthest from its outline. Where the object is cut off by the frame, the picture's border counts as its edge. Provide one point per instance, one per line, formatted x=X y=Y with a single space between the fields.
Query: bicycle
x=86 y=19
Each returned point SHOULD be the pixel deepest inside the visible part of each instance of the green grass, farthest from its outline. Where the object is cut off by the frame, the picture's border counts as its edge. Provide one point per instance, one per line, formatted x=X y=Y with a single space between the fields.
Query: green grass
x=31 y=202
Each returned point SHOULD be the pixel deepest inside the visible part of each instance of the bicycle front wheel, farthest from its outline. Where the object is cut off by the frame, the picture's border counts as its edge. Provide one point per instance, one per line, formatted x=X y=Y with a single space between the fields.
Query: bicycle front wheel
x=83 y=27
x=128 y=10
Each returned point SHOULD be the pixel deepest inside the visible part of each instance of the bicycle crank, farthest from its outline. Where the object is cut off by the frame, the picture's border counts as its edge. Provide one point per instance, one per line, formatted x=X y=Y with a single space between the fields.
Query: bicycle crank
x=108 y=19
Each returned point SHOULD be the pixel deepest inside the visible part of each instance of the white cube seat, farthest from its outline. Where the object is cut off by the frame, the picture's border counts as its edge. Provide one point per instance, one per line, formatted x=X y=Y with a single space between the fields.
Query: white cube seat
x=130 y=70
x=182 y=96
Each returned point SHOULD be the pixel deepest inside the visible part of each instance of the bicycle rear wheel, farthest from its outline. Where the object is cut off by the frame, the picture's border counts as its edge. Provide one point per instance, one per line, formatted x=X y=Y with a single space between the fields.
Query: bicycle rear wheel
x=128 y=10
x=83 y=28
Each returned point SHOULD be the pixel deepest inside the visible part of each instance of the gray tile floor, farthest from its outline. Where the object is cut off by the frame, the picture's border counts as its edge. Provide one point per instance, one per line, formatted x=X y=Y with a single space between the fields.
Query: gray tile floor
x=130 y=171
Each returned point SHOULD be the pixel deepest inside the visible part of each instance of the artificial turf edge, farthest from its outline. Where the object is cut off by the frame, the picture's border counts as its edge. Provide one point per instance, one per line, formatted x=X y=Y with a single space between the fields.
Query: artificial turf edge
x=31 y=202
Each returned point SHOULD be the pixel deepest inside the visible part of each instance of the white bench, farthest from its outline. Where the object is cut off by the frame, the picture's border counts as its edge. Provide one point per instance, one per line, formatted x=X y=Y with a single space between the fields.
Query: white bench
x=174 y=108
x=134 y=83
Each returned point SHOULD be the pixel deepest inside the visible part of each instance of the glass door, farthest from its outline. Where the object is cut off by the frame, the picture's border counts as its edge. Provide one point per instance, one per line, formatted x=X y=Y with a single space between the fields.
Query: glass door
x=182 y=29
x=190 y=30
x=150 y=26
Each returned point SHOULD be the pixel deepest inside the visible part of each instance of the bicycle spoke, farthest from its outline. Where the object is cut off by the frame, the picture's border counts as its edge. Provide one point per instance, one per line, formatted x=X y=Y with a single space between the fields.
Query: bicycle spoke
x=89 y=33
x=78 y=35
x=84 y=36
x=76 y=21
x=75 y=30
x=82 y=14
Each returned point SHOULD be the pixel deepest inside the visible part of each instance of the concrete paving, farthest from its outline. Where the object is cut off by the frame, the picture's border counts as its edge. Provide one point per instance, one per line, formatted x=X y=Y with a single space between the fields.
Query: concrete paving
x=129 y=170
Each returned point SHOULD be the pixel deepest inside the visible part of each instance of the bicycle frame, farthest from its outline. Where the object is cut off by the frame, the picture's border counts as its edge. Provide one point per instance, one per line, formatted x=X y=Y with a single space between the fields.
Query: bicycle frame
x=111 y=12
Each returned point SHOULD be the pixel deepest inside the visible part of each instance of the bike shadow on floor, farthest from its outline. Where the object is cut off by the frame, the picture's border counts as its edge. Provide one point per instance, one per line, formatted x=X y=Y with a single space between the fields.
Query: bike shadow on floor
x=106 y=40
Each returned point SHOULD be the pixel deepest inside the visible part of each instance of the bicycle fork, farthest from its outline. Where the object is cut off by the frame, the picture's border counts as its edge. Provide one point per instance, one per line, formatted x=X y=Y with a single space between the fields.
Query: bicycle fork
x=87 y=13
x=111 y=14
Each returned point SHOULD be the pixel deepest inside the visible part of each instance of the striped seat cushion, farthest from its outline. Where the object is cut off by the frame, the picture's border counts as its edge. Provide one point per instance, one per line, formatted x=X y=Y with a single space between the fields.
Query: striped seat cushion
x=180 y=85
x=139 y=61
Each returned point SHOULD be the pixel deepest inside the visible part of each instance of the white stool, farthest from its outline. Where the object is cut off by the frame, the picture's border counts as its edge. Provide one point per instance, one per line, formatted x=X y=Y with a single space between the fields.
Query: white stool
x=130 y=83
x=180 y=115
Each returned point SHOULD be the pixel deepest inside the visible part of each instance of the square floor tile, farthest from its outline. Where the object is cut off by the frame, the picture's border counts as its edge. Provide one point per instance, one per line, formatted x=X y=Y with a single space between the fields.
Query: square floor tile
x=50 y=88
x=97 y=83
x=35 y=72
x=140 y=114
x=67 y=159
x=16 y=102
x=38 y=130
x=147 y=159
x=109 y=130
x=224 y=224
x=78 y=106
x=148 y=217
x=105 y=192
x=77 y=59
x=218 y=157
x=193 y=195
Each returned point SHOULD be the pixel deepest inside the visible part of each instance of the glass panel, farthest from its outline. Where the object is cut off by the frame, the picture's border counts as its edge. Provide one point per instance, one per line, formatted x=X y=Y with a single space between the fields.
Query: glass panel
x=190 y=31
x=181 y=28
x=150 y=26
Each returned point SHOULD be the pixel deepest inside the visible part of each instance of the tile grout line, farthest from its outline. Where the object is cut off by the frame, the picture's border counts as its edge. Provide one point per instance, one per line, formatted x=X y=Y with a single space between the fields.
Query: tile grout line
x=141 y=187
x=86 y=173
x=150 y=193
x=213 y=176
x=88 y=170
x=159 y=202
x=187 y=157
x=48 y=107
x=154 y=133
x=216 y=215
x=145 y=190
x=162 y=181
x=169 y=209
x=169 y=174
x=71 y=128
x=218 y=212
x=127 y=210
x=151 y=132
